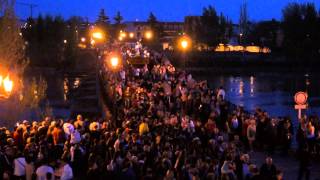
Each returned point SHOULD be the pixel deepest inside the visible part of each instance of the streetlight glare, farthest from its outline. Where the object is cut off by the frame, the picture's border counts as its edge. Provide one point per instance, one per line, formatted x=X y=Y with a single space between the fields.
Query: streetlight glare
x=97 y=35
x=131 y=35
x=184 y=44
x=148 y=34
x=114 y=62
x=83 y=39
x=123 y=34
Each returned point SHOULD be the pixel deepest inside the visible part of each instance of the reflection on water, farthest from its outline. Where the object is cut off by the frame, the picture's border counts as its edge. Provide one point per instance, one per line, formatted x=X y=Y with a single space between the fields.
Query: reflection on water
x=272 y=92
x=66 y=89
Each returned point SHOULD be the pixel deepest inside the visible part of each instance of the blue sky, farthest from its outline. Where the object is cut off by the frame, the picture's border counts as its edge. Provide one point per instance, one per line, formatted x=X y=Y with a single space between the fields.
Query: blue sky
x=165 y=10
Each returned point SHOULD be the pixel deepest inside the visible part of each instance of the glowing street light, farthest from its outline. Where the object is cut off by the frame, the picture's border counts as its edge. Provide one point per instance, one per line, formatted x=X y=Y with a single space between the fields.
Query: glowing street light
x=184 y=43
x=114 y=61
x=97 y=35
x=65 y=41
x=148 y=35
x=131 y=35
x=123 y=34
x=83 y=39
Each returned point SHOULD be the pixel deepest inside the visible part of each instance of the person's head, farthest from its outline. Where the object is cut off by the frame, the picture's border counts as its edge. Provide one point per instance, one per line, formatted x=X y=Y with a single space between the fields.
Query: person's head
x=79 y=118
x=269 y=160
x=279 y=175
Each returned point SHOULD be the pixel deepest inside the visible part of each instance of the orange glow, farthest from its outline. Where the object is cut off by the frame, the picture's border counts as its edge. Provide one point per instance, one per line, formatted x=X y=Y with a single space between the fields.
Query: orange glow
x=184 y=42
x=1 y=80
x=238 y=48
x=97 y=35
x=114 y=61
x=148 y=35
x=8 y=84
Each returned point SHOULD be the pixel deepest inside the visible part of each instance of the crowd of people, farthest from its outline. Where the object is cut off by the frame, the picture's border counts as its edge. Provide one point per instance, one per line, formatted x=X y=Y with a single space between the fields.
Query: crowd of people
x=165 y=125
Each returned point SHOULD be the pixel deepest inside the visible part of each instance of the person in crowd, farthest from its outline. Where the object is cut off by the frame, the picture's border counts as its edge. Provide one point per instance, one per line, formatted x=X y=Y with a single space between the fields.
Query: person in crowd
x=19 y=164
x=45 y=171
x=268 y=170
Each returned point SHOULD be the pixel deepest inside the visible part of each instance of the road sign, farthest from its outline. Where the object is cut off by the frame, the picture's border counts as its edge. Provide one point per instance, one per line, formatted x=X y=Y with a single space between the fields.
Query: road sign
x=298 y=106
x=301 y=98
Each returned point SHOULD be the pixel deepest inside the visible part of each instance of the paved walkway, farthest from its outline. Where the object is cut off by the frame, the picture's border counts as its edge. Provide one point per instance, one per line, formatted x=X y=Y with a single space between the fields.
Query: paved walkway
x=287 y=164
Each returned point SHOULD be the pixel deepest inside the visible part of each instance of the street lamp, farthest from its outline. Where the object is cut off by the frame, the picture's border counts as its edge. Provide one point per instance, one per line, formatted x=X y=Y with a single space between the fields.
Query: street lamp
x=131 y=35
x=184 y=44
x=148 y=34
x=114 y=62
x=83 y=39
x=97 y=35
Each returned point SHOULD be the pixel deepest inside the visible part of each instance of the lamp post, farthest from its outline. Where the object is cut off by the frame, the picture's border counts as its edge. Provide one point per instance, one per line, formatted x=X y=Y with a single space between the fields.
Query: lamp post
x=113 y=63
x=184 y=44
x=148 y=35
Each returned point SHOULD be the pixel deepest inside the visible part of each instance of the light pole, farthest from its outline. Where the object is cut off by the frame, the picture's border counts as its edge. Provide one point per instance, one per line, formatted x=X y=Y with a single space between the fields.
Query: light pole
x=184 y=44
x=113 y=63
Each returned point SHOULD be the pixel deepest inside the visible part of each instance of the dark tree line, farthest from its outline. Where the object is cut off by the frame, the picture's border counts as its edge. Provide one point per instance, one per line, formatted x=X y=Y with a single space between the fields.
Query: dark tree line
x=210 y=29
x=301 y=29
x=51 y=41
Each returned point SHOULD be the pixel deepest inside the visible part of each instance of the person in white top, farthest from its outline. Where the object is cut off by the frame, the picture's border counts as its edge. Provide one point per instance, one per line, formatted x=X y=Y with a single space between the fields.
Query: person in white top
x=64 y=172
x=221 y=93
x=19 y=167
x=45 y=172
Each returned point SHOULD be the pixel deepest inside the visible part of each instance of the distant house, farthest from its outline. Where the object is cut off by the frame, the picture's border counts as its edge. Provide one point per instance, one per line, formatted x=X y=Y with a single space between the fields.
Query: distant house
x=170 y=30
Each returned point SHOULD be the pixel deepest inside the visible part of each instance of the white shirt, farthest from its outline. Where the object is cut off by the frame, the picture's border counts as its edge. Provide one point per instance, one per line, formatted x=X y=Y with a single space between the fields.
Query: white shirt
x=75 y=137
x=19 y=166
x=66 y=172
x=42 y=172
x=222 y=93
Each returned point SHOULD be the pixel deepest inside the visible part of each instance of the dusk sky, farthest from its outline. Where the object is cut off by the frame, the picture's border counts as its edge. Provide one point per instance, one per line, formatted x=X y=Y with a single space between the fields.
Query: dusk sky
x=165 y=10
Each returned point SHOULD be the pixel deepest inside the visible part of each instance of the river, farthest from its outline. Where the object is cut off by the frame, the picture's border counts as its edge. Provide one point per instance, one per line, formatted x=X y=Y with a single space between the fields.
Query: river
x=273 y=92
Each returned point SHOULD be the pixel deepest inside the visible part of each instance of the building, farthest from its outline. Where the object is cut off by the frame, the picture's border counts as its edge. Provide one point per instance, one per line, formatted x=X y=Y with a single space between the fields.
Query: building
x=170 y=30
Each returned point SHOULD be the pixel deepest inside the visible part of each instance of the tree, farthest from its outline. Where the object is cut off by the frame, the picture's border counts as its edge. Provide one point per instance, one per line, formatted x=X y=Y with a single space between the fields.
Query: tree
x=103 y=20
x=243 y=22
x=210 y=27
x=264 y=33
x=152 y=19
x=155 y=27
x=117 y=25
x=300 y=27
x=118 y=18
x=13 y=59
x=11 y=44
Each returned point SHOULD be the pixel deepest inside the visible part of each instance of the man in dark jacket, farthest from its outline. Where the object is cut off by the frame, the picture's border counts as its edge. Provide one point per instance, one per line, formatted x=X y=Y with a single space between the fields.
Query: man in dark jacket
x=268 y=170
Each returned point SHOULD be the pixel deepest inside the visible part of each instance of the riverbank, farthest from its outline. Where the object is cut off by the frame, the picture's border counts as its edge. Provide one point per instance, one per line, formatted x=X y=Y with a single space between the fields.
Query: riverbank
x=242 y=63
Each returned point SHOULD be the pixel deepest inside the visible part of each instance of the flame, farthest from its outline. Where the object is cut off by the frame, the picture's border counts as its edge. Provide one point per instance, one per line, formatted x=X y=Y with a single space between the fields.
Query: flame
x=1 y=80
x=7 y=84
